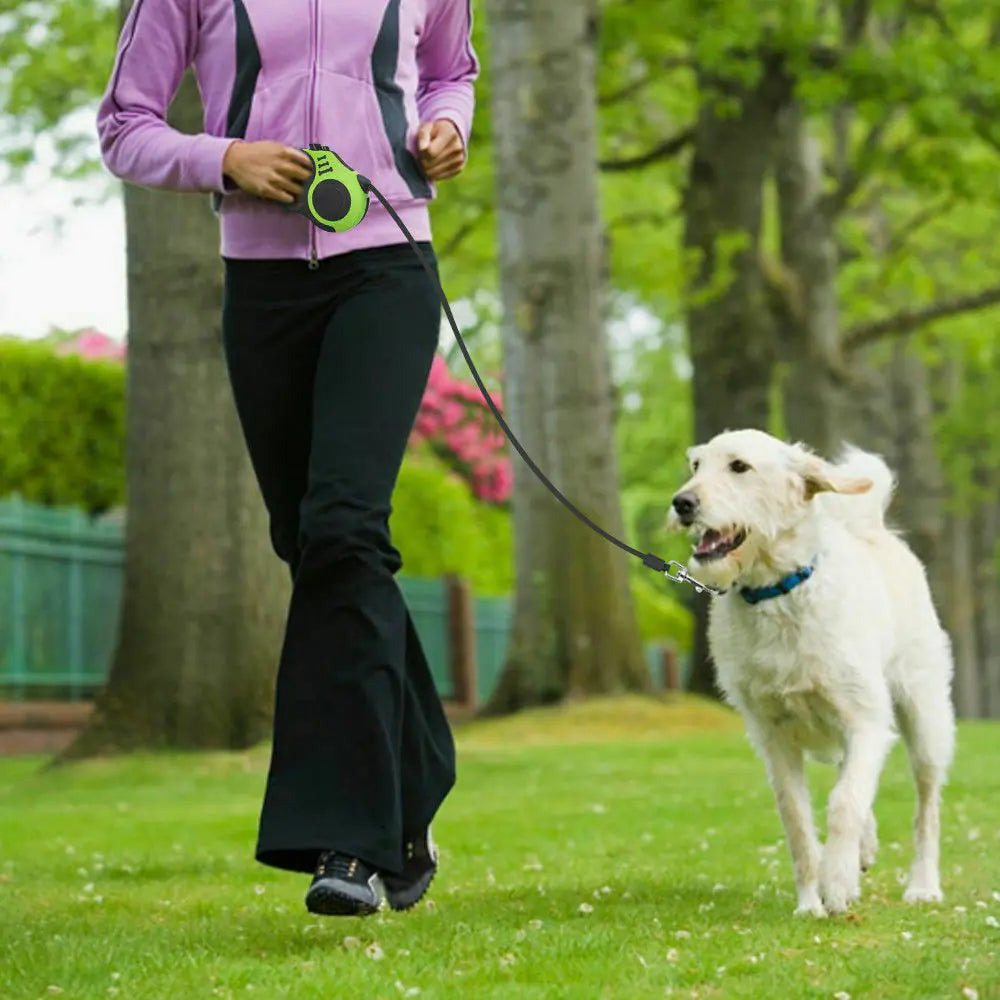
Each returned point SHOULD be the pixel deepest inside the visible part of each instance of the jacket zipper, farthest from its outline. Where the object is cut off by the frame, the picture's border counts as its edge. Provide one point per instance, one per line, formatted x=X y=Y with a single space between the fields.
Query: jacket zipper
x=314 y=55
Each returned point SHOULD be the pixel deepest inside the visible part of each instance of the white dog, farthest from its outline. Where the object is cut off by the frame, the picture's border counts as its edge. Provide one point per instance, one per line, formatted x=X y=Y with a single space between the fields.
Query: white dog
x=826 y=640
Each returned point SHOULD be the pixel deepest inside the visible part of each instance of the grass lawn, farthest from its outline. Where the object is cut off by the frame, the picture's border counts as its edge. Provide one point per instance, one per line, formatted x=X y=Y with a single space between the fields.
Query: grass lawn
x=623 y=849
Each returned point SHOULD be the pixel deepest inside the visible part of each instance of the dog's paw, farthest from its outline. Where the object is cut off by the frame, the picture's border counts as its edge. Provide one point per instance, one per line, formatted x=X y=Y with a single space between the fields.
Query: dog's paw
x=836 y=901
x=810 y=905
x=922 y=894
x=839 y=881
x=838 y=894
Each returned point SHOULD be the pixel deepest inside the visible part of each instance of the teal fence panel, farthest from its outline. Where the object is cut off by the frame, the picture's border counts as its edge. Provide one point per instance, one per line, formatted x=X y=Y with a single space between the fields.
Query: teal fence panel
x=493 y=617
x=60 y=591
x=60 y=600
x=428 y=604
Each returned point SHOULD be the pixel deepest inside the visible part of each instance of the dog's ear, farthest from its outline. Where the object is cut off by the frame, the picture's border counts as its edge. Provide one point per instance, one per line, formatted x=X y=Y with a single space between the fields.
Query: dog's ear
x=819 y=476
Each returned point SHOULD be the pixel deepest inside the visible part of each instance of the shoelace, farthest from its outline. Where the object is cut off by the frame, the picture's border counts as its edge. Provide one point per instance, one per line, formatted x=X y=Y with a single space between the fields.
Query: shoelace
x=335 y=865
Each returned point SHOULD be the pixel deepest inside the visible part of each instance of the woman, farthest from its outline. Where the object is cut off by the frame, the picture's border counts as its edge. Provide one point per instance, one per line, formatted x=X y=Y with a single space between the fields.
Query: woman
x=329 y=339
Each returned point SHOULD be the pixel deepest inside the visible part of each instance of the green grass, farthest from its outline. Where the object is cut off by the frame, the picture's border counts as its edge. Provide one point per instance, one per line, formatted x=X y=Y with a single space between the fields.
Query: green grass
x=606 y=850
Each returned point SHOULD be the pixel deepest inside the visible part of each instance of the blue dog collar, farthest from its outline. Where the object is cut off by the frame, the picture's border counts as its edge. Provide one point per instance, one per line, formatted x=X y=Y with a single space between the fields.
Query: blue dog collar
x=754 y=595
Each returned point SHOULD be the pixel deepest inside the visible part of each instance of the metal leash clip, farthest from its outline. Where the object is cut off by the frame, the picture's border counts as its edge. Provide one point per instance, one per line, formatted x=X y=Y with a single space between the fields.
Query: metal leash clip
x=683 y=576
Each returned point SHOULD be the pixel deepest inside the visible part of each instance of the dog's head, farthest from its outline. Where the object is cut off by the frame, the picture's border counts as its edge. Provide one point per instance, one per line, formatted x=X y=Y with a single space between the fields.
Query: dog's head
x=748 y=496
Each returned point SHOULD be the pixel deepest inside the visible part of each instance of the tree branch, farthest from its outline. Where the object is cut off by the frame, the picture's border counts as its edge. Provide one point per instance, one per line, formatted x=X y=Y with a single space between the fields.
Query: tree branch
x=634 y=86
x=908 y=320
x=854 y=16
x=898 y=240
x=663 y=151
x=836 y=201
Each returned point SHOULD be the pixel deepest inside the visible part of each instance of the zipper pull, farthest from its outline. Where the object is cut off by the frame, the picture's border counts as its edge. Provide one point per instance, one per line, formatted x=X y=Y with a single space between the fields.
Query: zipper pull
x=314 y=261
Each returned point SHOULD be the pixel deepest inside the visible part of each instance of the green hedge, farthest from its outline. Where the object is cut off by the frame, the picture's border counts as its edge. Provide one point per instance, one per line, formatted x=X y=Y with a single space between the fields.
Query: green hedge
x=62 y=443
x=440 y=527
x=62 y=427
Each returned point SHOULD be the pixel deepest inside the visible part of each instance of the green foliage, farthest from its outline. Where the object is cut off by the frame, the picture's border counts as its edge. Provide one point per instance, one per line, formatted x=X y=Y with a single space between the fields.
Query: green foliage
x=61 y=427
x=55 y=58
x=440 y=527
x=661 y=616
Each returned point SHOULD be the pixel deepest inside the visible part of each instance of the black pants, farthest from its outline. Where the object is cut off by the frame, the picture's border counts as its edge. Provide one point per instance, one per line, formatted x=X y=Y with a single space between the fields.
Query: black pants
x=328 y=368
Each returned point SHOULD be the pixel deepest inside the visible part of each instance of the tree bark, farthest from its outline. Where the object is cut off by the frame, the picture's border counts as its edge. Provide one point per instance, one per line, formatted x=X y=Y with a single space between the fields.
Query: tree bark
x=985 y=538
x=955 y=570
x=574 y=629
x=812 y=392
x=204 y=596
x=730 y=328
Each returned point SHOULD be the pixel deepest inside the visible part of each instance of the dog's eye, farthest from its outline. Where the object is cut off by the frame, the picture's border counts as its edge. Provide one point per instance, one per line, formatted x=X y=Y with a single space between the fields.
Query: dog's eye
x=738 y=465
x=694 y=465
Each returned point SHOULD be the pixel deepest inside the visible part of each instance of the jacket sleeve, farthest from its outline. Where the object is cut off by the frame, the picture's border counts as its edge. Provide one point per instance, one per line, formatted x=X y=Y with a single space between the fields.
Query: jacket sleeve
x=448 y=65
x=156 y=46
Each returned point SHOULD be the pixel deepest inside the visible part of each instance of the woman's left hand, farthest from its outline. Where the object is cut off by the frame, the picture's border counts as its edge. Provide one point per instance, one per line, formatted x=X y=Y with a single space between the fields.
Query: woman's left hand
x=440 y=149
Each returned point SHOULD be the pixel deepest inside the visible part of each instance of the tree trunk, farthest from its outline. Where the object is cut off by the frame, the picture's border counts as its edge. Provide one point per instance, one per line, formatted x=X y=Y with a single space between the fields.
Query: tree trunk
x=812 y=392
x=574 y=629
x=985 y=537
x=204 y=596
x=731 y=333
x=955 y=571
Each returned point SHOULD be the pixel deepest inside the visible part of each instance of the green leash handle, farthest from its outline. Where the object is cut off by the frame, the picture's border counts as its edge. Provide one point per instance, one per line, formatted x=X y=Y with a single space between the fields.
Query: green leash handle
x=336 y=198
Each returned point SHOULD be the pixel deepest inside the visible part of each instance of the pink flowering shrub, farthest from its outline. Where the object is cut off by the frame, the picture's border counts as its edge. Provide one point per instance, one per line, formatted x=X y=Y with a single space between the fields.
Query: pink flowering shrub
x=92 y=345
x=456 y=422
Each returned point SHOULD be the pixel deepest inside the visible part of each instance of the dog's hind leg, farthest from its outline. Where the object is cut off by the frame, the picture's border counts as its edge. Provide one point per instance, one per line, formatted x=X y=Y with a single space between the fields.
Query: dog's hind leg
x=927 y=723
x=847 y=813
x=869 y=841
x=786 y=772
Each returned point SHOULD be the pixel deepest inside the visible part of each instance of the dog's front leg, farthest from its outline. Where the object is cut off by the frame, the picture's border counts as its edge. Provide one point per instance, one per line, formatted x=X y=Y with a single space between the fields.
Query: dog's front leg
x=847 y=814
x=786 y=772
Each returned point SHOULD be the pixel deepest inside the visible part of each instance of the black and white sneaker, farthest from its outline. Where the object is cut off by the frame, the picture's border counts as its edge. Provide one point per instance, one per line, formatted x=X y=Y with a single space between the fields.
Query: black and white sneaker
x=420 y=860
x=344 y=887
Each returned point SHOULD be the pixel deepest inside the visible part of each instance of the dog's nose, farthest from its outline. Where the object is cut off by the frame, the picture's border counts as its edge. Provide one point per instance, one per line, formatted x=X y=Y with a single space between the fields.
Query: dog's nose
x=686 y=504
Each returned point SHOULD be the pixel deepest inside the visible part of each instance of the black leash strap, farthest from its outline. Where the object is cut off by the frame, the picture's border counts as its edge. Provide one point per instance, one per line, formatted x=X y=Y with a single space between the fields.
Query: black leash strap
x=649 y=559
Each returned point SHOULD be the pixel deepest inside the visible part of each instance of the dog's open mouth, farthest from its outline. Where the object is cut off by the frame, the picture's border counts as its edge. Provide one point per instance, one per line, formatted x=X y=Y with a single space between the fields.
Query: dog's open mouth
x=716 y=544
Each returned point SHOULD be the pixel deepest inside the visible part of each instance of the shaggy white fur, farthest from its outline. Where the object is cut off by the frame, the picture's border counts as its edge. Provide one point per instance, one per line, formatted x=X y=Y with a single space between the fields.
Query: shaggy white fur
x=834 y=668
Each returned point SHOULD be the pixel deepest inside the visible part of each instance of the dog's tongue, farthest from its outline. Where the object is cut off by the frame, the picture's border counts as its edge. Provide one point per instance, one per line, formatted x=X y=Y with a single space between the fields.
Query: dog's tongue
x=709 y=540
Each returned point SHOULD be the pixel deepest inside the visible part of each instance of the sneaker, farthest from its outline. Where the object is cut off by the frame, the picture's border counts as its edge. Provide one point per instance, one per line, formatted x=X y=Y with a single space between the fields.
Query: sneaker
x=344 y=887
x=420 y=860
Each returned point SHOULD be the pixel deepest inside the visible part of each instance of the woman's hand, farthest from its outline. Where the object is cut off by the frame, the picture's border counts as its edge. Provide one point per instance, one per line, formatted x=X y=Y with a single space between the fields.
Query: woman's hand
x=440 y=149
x=267 y=169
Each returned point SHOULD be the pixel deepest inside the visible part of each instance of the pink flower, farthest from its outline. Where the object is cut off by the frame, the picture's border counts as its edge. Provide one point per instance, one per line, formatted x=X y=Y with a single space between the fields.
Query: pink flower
x=451 y=414
x=92 y=345
x=456 y=421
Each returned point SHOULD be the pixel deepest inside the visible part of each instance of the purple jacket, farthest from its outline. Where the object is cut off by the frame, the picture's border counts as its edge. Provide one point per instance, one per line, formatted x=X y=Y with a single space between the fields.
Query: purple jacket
x=358 y=76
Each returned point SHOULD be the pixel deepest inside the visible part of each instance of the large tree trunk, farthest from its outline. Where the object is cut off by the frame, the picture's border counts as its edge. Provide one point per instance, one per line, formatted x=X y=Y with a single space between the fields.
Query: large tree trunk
x=731 y=333
x=574 y=629
x=954 y=570
x=812 y=388
x=985 y=537
x=204 y=595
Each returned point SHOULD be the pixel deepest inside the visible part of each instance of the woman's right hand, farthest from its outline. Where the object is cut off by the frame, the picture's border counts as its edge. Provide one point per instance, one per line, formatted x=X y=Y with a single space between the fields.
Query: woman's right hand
x=267 y=169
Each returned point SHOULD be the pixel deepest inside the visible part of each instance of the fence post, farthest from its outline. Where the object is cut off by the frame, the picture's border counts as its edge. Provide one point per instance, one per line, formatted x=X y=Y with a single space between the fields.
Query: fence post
x=670 y=668
x=462 y=640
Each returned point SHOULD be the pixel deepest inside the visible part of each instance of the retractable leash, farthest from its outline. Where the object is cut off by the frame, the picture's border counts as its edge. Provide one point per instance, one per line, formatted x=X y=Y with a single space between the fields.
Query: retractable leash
x=336 y=200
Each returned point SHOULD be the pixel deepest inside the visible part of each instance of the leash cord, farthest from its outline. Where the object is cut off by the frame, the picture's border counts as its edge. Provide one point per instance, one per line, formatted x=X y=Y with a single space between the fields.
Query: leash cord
x=649 y=559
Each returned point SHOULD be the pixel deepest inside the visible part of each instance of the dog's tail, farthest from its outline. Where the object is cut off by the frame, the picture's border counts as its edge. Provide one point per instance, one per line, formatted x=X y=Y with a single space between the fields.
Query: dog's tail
x=864 y=511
